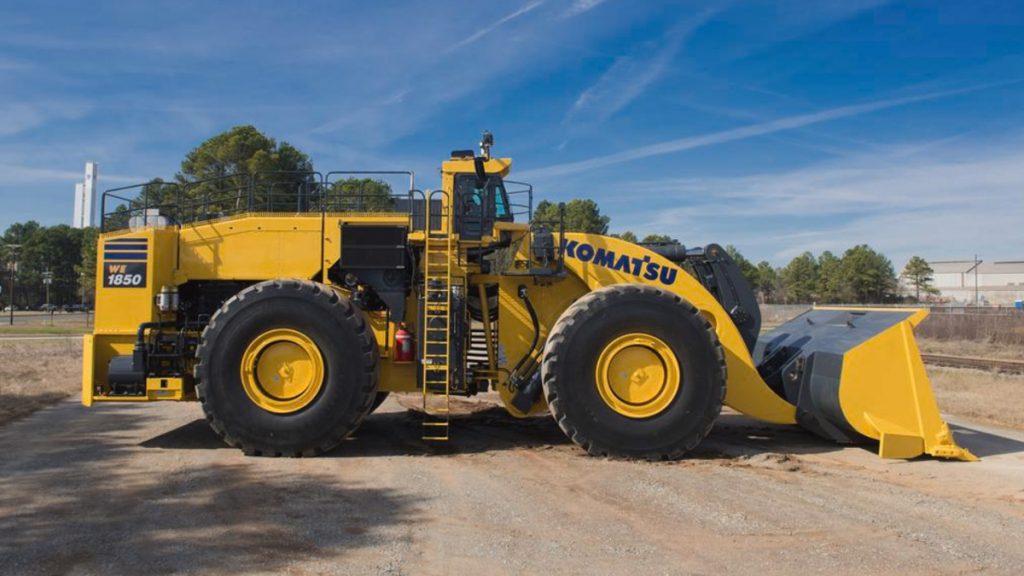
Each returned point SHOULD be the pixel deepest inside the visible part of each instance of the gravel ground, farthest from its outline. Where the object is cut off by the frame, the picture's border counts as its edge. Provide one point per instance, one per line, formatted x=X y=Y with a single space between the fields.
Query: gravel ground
x=150 y=489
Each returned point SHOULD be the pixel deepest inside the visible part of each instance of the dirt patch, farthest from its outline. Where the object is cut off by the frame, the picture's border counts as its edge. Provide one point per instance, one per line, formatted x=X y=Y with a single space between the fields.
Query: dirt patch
x=37 y=373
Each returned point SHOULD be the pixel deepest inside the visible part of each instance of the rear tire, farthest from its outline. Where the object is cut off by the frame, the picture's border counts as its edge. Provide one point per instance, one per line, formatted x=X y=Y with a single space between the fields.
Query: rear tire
x=339 y=392
x=576 y=373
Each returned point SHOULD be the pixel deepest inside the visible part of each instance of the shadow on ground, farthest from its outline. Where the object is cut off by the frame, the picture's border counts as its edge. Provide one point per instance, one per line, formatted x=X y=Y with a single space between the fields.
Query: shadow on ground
x=397 y=433
x=739 y=436
x=86 y=498
x=983 y=444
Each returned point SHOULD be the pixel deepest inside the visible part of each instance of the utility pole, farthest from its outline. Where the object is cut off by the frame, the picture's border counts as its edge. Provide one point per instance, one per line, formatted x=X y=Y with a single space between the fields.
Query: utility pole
x=977 y=294
x=977 y=301
x=47 y=280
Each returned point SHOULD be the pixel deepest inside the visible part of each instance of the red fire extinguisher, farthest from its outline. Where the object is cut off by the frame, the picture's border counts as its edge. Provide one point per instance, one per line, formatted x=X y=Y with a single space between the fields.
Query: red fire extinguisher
x=405 y=347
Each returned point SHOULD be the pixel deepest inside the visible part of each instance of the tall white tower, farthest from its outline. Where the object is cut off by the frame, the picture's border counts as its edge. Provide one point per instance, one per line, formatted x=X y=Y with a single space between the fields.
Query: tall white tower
x=85 y=198
x=76 y=221
x=89 y=195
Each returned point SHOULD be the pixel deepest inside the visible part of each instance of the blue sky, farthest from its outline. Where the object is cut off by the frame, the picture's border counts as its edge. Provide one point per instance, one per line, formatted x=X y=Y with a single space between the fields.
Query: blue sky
x=775 y=126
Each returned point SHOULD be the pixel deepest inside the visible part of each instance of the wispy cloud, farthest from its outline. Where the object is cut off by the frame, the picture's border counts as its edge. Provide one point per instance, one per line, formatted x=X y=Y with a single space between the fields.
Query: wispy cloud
x=630 y=76
x=580 y=6
x=20 y=174
x=494 y=26
x=742 y=133
x=937 y=199
x=18 y=117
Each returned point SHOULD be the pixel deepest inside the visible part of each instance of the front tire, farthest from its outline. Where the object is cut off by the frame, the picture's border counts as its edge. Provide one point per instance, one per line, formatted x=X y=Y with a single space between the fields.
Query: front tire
x=287 y=367
x=634 y=371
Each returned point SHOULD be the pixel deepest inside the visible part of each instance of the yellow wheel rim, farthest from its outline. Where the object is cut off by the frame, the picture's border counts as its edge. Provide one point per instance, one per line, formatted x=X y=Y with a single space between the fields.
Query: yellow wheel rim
x=282 y=370
x=638 y=375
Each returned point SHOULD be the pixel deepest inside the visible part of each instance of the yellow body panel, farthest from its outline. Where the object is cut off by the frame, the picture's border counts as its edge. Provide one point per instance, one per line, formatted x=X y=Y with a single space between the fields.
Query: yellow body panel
x=165 y=389
x=251 y=247
x=121 y=306
x=88 y=379
x=500 y=166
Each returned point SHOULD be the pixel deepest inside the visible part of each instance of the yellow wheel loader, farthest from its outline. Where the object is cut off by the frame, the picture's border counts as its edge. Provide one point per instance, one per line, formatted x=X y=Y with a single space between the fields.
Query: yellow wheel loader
x=289 y=306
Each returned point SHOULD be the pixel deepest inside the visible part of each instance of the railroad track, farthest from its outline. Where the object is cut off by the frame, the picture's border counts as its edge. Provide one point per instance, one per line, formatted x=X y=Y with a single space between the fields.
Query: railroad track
x=1008 y=366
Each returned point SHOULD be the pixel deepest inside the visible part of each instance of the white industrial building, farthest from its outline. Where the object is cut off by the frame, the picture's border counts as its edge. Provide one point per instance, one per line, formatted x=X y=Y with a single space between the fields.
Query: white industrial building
x=85 y=198
x=987 y=283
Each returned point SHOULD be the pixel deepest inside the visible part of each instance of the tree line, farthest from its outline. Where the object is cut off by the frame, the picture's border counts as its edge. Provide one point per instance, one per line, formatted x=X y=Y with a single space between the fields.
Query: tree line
x=32 y=252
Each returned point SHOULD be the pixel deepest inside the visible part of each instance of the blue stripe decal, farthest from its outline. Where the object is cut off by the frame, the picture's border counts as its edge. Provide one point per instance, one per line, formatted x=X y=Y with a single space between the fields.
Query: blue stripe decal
x=143 y=240
x=134 y=257
x=142 y=247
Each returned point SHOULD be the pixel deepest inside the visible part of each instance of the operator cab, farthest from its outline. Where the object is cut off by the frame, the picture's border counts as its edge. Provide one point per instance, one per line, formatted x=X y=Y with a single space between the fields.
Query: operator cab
x=477 y=190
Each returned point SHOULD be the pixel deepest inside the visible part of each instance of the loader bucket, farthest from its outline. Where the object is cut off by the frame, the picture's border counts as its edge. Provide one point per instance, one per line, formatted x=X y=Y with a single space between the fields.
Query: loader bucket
x=856 y=374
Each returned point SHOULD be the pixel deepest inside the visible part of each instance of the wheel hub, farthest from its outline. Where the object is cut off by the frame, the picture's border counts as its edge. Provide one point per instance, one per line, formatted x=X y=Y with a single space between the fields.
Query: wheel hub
x=282 y=370
x=637 y=375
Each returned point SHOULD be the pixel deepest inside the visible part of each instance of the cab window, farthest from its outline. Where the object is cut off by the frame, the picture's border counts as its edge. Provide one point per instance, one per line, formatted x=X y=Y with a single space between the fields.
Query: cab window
x=472 y=195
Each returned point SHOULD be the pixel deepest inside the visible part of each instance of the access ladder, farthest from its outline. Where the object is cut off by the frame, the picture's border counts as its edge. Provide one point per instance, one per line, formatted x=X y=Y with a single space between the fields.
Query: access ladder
x=437 y=300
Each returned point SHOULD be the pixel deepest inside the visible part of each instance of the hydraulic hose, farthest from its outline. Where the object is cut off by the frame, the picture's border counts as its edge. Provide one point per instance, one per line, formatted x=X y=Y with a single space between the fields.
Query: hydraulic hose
x=526 y=391
x=536 y=331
